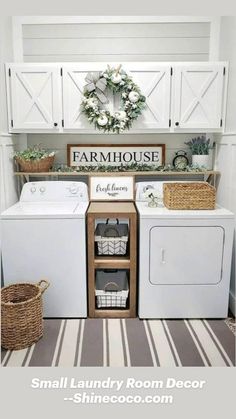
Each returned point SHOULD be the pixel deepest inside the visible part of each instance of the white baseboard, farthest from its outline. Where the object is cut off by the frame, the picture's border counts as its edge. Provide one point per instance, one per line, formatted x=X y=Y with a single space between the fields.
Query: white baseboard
x=232 y=302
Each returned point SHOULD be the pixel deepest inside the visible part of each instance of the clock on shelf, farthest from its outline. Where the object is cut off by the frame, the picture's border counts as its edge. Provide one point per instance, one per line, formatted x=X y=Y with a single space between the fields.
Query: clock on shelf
x=180 y=160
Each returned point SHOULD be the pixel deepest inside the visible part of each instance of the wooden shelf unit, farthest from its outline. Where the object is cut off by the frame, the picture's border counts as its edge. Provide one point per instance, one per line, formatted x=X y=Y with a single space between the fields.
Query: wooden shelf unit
x=118 y=210
x=204 y=173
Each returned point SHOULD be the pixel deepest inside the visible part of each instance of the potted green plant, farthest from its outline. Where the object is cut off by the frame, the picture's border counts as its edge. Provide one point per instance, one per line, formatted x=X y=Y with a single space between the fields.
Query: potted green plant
x=35 y=159
x=200 y=148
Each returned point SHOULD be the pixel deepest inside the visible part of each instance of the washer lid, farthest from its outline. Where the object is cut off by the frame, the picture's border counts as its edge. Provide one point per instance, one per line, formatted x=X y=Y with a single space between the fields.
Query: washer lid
x=24 y=210
x=162 y=212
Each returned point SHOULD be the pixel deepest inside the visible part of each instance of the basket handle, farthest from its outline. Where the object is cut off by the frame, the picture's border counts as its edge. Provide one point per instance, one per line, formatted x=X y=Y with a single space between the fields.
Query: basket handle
x=117 y=220
x=111 y=283
x=43 y=285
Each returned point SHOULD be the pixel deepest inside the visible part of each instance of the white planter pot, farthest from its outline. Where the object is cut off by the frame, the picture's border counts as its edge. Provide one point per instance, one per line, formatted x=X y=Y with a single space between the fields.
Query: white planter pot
x=202 y=160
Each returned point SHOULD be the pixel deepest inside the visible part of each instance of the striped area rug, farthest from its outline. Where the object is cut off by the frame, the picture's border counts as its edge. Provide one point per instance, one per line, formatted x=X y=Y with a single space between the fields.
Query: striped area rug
x=128 y=342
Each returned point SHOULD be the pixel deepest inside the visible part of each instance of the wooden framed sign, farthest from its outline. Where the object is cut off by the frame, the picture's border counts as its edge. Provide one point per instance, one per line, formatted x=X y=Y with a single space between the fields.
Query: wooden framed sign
x=111 y=188
x=115 y=155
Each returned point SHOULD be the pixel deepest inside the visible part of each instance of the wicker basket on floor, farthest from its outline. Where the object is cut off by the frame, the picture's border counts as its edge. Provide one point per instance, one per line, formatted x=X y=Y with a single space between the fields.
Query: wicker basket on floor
x=189 y=196
x=22 y=314
x=29 y=166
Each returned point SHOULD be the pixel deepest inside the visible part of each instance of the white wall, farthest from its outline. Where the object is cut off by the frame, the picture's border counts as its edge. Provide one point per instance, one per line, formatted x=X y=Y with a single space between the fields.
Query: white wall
x=226 y=143
x=7 y=181
x=173 y=142
x=116 y=42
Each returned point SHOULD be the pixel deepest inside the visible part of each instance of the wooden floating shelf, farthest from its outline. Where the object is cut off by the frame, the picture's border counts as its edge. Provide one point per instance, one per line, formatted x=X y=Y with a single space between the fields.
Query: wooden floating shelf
x=128 y=173
x=119 y=263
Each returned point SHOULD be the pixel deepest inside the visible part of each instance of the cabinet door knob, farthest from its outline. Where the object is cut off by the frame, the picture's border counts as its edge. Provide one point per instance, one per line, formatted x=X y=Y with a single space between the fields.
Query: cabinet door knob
x=55 y=124
x=177 y=124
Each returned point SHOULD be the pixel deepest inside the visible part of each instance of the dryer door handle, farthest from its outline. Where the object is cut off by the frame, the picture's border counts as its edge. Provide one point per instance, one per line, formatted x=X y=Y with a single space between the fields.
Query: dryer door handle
x=163 y=256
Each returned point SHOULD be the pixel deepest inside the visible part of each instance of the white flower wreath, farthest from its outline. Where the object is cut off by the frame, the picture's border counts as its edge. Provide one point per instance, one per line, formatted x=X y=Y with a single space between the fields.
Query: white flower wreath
x=132 y=101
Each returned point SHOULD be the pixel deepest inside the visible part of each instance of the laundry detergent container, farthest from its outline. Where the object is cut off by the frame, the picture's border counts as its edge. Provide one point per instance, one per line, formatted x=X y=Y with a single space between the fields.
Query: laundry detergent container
x=22 y=314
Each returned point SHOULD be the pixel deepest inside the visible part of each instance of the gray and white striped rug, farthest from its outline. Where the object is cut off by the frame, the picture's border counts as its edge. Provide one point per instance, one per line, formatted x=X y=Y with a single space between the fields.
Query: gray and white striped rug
x=128 y=342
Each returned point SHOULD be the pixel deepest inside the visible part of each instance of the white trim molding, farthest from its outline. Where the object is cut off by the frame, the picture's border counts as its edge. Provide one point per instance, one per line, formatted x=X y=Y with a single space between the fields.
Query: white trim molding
x=214 y=39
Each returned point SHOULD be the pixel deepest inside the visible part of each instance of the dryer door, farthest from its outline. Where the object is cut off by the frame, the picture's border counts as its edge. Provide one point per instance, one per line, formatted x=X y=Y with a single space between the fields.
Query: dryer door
x=186 y=255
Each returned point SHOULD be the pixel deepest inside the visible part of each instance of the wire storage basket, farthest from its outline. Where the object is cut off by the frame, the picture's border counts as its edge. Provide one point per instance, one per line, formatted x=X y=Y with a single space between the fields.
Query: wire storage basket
x=189 y=196
x=111 y=238
x=22 y=314
x=112 y=288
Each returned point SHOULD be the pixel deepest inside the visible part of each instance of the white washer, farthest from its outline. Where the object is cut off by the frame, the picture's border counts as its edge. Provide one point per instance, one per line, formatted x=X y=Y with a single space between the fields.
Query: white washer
x=184 y=260
x=44 y=236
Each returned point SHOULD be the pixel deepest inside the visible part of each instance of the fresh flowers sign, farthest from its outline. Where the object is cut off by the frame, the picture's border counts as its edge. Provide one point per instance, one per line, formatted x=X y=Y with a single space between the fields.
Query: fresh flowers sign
x=93 y=105
x=115 y=155
x=111 y=188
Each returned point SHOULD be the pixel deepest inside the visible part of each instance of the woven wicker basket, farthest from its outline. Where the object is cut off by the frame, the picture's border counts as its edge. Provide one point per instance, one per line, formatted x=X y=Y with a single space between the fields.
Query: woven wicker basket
x=188 y=196
x=43 y=165
x=22 y=314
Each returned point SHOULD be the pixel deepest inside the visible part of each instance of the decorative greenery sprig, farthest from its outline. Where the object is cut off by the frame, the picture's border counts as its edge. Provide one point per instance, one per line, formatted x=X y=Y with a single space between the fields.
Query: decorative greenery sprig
x=36 y=152
x=132 y=101
x=134 y=167
x=199 y=145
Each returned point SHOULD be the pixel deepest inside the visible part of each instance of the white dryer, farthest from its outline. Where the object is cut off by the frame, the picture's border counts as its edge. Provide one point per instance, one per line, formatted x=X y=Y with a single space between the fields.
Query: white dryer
x=184 y=260
x=44 y=236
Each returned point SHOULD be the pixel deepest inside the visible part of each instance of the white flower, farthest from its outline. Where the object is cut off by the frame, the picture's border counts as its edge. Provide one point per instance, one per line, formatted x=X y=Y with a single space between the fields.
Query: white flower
x=120 y=115
x=92 y=102
x=102 y=120
x=124 y=95
x=116 y=78
x=133 y=96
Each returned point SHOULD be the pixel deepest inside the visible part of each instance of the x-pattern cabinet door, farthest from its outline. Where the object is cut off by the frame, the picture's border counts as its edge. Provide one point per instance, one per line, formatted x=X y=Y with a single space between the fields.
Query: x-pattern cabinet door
x=154 y=81
x=35 y=92
x=198 y=96
x=73 y=87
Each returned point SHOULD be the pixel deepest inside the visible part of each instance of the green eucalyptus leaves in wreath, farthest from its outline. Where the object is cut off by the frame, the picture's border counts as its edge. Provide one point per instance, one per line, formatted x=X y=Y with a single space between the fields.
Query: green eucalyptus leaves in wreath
x=94 y=99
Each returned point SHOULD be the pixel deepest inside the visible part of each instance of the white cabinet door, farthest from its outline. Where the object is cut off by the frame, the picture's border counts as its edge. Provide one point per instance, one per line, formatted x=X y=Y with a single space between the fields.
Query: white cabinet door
x=198 y=96
x=186 y=255
x=73 y=87
x=35 y=97
x=153 y=80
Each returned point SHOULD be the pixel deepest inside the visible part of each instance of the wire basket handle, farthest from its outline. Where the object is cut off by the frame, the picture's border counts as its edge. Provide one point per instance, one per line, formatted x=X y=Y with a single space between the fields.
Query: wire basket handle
x=113 y=284
x=117 y=220
x=43 y=285
x=111 y=232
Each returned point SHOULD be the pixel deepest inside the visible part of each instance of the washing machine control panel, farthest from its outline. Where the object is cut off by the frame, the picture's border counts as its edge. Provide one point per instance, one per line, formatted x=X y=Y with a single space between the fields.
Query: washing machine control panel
x=54 y=191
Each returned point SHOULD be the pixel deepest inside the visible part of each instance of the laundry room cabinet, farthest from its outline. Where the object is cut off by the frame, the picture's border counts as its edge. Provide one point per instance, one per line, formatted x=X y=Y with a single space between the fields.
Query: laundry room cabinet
x=34 y=97
x=198 y=96
x=116 y=210
x=180 y=97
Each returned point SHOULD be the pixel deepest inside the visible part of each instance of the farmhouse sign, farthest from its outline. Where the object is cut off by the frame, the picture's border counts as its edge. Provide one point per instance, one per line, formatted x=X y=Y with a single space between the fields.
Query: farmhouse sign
x=111 y=188
x=115 y=155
